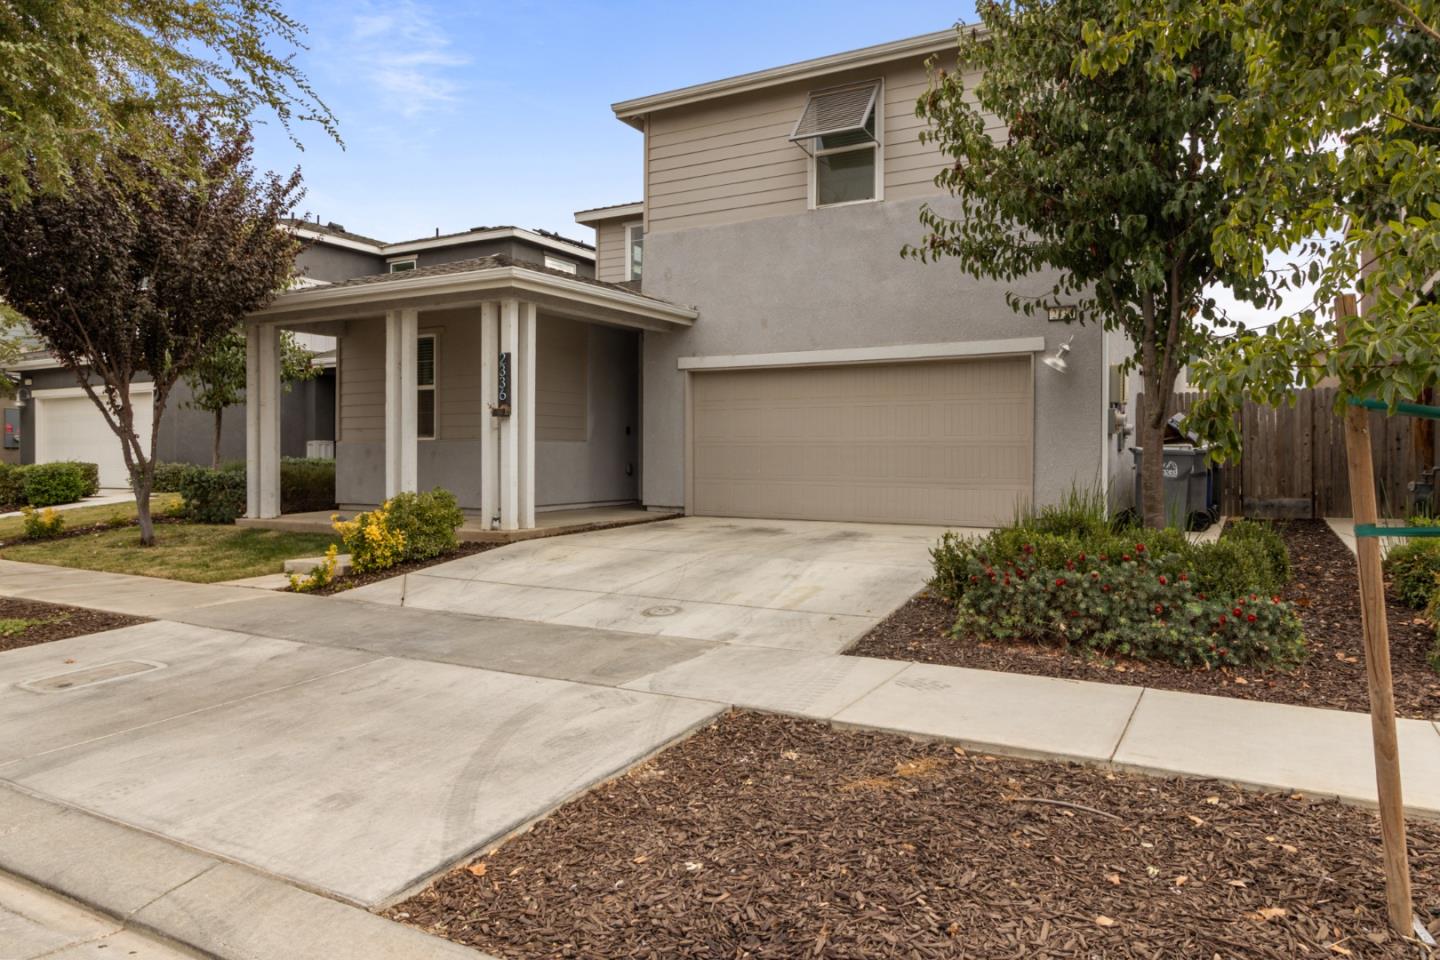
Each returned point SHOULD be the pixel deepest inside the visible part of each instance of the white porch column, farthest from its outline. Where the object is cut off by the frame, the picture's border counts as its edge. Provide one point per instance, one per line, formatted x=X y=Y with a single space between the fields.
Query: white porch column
x=525 y=409
x=509 y=480
x=490 y=428
x=401 y=331
x=262 y=421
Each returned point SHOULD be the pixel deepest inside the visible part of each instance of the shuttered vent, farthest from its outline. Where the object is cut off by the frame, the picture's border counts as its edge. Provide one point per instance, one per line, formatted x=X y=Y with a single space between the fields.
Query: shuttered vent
x=843 y=110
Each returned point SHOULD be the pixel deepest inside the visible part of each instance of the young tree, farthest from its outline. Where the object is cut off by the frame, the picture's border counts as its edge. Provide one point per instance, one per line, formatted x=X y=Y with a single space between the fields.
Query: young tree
x=1107 y=180
x=217 y=380
x=1334 y=148
x=120 y=282
x=83 y=84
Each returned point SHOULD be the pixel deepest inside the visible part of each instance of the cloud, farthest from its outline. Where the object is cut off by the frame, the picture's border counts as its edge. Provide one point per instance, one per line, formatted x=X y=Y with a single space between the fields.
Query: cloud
x=406 y=55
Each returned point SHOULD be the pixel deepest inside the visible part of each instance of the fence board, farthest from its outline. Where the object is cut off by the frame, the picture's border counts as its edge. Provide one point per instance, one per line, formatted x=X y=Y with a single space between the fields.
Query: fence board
x=1293 y=462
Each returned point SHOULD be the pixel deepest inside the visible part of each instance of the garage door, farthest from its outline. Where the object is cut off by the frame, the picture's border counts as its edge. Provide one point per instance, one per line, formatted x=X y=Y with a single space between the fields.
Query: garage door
x=937 y=442
x=69 y=427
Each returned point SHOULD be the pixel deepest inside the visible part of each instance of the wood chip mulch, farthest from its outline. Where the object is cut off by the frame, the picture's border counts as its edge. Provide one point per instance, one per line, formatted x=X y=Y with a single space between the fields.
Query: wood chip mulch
x=57 y=622
x=1326 y=595
x=767 y=837
x=352 y=580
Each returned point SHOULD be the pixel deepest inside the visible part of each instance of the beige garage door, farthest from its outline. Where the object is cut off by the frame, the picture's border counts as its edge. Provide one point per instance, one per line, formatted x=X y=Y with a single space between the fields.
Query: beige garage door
x=936 y=442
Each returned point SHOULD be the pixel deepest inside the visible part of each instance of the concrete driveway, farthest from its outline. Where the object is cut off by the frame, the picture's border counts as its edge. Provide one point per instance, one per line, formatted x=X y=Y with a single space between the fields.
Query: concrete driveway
x=801 y=585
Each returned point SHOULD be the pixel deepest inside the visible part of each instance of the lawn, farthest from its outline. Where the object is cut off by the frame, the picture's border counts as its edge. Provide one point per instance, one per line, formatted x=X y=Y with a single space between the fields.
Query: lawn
x=160 y=504
x=200 y=553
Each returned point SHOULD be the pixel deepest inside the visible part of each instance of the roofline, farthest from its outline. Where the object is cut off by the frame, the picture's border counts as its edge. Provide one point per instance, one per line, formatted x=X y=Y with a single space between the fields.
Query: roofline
x=633 y=111
x=474 y=236
x=596 y=214
x=294 y=305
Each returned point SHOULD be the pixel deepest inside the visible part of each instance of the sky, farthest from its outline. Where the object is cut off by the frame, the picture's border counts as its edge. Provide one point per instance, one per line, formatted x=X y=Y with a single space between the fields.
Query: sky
x=456 y=115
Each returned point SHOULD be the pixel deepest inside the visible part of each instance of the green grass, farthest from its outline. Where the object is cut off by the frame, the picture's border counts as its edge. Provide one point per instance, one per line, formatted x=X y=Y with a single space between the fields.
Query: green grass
x=200 y=553
x=14 y=626
x=160 y=504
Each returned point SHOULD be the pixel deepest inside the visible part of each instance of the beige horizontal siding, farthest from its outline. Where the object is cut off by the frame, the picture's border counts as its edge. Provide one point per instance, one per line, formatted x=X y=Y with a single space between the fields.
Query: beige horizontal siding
x=562 y=380
x=731 y=160
x=610 y=250
x=360 y=359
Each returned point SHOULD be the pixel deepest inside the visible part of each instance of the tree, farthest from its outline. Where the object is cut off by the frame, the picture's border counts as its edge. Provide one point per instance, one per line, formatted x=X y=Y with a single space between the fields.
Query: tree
x=1107 y=180
x=84 y=83
x=217 y=380
x=1334 y=147
x=120 y=282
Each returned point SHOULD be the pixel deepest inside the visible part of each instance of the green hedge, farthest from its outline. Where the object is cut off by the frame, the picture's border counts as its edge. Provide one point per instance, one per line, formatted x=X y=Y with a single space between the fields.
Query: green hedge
x=218 y=496
x=47 y=484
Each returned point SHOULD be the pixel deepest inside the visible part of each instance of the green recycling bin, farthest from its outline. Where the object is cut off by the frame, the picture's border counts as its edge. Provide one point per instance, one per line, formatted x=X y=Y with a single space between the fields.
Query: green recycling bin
x=1190 y=490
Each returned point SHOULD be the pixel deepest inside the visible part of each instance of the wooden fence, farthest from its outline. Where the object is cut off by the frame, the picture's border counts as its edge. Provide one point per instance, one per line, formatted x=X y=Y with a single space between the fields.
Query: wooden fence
x=1293 y=461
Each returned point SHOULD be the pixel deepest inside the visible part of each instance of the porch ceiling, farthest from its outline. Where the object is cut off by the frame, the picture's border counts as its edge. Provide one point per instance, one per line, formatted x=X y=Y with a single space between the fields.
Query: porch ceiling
x=472 y=282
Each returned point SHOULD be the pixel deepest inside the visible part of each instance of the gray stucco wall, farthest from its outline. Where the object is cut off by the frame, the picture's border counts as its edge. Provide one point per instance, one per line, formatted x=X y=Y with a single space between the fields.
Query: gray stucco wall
x=834 y=278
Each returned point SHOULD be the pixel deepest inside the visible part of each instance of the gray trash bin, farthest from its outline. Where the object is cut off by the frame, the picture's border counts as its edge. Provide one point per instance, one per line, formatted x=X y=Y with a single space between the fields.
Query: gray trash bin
x=1189 y=485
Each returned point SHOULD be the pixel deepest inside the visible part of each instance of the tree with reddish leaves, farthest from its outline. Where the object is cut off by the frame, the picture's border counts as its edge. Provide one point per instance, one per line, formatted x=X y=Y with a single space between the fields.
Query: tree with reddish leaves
x=141 y=266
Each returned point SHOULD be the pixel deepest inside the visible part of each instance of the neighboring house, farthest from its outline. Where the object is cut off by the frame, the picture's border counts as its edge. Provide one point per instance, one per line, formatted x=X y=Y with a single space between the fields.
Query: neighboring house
x=752 y=343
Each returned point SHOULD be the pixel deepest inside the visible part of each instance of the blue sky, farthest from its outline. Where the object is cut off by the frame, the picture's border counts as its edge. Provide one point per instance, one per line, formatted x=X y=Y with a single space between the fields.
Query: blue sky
x=460 y=114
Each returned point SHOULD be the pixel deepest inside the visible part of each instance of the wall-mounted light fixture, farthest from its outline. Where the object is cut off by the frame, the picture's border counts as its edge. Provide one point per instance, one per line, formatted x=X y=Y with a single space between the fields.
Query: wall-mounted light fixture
x=1056 y=361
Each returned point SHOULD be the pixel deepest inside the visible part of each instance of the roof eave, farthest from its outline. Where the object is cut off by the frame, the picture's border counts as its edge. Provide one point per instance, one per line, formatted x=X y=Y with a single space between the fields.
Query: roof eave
x=634 y=111
x=321 y=304
x=597 y=214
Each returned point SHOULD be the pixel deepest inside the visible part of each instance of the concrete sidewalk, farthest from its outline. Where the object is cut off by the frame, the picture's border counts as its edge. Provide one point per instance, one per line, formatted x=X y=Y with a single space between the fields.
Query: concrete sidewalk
x=35 y=924
x=106 y=497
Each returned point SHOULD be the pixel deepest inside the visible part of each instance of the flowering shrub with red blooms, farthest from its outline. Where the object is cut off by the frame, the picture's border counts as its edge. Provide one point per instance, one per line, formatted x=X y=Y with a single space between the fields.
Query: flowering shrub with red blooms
x=1133 y=605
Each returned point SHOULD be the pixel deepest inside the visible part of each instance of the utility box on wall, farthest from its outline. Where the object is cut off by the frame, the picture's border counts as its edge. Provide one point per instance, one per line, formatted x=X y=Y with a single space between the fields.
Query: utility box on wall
x=12 y=428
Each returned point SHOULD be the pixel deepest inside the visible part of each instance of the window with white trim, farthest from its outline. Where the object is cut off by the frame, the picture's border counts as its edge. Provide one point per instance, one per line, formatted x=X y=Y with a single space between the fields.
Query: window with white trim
x=400 y=266
x=561 y=264
x=425 y=387
x=839 y=128
x=634 y=250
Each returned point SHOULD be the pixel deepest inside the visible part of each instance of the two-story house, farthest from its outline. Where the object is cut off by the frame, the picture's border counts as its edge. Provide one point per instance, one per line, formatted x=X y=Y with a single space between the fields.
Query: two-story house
x=751 y=325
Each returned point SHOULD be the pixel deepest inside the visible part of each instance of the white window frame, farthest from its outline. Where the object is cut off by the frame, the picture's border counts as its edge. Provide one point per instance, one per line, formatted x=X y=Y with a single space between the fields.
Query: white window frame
x=630 y=228
x=391 y=264
x=562 y=264
x=434 y=382
x=878 y=146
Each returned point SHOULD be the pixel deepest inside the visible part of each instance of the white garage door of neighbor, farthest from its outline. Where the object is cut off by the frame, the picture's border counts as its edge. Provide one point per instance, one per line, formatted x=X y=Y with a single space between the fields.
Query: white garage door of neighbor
x=69 y=427
x=947 y=442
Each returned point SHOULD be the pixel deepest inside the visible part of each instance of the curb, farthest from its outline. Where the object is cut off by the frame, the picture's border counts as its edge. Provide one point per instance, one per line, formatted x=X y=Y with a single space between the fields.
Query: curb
x=201 y=903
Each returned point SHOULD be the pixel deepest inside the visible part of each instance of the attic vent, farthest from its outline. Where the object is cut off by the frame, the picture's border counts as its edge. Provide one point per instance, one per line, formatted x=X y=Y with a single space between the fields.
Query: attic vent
x=336 y=226
x=841 y=113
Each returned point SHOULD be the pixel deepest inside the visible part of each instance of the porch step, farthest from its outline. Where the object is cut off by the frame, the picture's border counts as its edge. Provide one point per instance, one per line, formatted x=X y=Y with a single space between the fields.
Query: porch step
x=307 y=564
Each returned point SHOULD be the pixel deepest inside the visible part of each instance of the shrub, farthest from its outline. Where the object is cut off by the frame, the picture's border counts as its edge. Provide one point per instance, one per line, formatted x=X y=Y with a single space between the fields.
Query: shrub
x=43 y=524
x=213 y=496
x=321 y=576
x=1265 y=540
x=373 y=544
x=427 y=521
x=12 y=484
x=170 y=476
x=1132 y=608
x=1413 y=568
x=306 y=485
x=46 y=484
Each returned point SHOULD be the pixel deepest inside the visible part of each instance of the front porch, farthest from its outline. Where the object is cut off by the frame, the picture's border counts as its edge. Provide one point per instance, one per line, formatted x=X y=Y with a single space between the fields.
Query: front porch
x=548 y=523
x=513 y=386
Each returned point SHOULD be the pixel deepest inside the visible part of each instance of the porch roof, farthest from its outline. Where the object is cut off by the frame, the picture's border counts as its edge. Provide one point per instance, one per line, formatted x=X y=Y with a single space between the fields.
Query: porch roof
x=473 y=281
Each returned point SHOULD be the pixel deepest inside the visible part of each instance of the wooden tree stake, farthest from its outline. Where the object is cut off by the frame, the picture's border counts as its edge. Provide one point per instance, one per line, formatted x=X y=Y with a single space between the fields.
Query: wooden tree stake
x=1377 y=661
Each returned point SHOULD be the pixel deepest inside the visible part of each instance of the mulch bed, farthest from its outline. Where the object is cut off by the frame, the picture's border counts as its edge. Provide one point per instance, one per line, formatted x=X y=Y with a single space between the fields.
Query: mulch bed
x=59 y=621
x=769 y=837
x=1326 y=596
x=352 y=580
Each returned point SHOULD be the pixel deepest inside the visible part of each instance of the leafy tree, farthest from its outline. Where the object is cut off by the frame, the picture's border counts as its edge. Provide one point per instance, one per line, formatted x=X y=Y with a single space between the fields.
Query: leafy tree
x=120 y=282
x=1335 y=146
x=217 y=380
x=1105 y=184
x=84 y=82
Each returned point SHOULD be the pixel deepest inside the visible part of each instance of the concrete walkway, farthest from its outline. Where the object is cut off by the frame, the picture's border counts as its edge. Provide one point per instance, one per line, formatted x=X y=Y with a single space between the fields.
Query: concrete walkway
x=253 y=757
x=1344 y=528
x=104 y=498
x=36 y=924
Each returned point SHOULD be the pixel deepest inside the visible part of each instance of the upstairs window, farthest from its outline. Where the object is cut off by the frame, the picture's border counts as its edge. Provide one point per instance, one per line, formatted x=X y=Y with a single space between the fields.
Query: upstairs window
x=425 y=387
x=839 y=128
x=399 y=266
x=561 y=264
x=634 y=250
